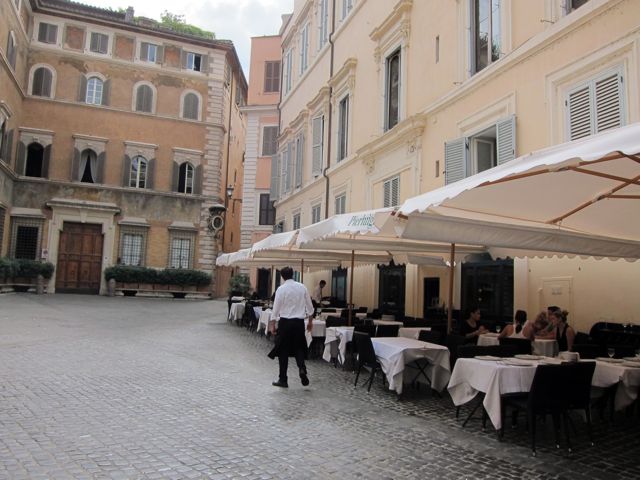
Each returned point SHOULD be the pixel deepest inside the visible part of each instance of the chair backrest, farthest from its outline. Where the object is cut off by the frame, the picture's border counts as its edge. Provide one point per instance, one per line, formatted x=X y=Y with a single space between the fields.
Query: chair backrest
x=581 y=337
x=453 y=342
x=366 y=353
x=589 y=350
x=335 y=321
x=387 y=330
x=362 y=310
x=345 y=313
x=522 y=345
x=547 y=392
x=369 y=329
x=578 y=384
x=431 y=337
x=623 y=350
x=375 y=313
x=329 y=310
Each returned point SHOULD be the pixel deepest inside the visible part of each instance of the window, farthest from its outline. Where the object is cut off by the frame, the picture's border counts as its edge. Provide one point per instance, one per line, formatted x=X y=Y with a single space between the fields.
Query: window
x=596 y=105
x=392 y=93
x=267 y=212
x=99 y=43
x=185 y=178
x=288 y=167
x=571 y=5
x=35 y=160
x=288 y=61
x=271 y=77
x=94 y=91
x=25 y=238
x=11 y=50
x=304 y=48
x=323 y=23
x=138 y=173
x=341 y=204
x=132 y=245
x=296 y=221
x=269 y=140
x=47 y=33
x=492 y=146
x=240 y=101
x=193 y=61
x=347 y=5
x=191 y=106
x=227 y=74
x=299 y=160
x=148 y=52
x=317 y=128
x=485 y=38
x=343 y=127
x=315 y=213
x=88 y=166
x=180 y=250
x=42 y=81
x=144 y=99
x=274 y=186
x=391 y=192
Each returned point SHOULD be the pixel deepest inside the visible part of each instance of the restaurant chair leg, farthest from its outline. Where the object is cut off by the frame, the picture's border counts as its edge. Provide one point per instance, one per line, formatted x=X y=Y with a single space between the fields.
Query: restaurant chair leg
x=565 y=417
x=532 y=431
x=587 y=412
x=556 y=428
x=471 y=414
x=457 y=412
x=357 y=376
x=373 y=374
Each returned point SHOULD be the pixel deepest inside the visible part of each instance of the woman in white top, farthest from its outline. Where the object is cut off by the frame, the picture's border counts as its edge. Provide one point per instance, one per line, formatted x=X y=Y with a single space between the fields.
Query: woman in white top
x=515 y=329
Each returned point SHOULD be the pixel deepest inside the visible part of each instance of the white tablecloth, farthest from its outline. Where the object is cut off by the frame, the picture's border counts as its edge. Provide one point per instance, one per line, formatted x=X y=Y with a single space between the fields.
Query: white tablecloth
x=394 y=353
x=412 y=332
x=263 y=320
x=335 y=342
x=471 y=376
x=546 y=348
x=265 y=316
x=236 y=311
x=384 y=321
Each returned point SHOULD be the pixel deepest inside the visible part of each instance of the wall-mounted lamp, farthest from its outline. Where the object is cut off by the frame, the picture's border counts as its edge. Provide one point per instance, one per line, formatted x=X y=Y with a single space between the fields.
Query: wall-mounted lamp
x=230 y=191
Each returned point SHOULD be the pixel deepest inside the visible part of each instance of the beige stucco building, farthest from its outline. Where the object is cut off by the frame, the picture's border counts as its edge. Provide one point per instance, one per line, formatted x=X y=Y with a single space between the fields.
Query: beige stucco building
x=382 y=101
x=117 y=136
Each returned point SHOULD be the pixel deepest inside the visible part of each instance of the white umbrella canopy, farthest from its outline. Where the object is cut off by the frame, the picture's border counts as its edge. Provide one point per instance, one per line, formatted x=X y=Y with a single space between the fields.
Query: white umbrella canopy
x=581 y=197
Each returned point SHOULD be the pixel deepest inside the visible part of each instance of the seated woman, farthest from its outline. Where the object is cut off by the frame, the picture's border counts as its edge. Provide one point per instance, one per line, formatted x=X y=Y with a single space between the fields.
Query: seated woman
x=514 y=330
x=471 y=327
x=564 y=334
x=539 y=328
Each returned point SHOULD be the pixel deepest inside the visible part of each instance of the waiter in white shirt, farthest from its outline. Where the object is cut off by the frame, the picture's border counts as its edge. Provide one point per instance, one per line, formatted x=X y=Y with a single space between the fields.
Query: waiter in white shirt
x=317 y=293
x=291 y=306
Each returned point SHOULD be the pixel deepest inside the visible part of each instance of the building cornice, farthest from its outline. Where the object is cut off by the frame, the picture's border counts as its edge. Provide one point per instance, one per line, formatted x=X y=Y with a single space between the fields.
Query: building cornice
x=320 y=100
x=259 y=108
x=400 y=12
x=83 y=204
x=347 y=73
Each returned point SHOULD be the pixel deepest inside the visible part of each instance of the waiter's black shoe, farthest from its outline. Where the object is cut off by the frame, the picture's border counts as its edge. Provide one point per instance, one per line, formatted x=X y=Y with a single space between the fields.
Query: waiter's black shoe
x=281 y=384
x=304 y=379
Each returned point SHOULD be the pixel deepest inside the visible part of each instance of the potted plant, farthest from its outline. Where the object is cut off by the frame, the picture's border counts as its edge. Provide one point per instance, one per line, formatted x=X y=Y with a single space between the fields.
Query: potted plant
x=239 y=285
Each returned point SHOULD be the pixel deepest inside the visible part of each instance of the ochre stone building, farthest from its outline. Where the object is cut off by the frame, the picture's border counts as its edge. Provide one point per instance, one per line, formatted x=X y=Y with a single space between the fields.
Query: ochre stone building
x=117 y=135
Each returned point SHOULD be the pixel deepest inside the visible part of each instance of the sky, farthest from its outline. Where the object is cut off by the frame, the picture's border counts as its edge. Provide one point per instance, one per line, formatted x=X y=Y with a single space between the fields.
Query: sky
x=236 y=20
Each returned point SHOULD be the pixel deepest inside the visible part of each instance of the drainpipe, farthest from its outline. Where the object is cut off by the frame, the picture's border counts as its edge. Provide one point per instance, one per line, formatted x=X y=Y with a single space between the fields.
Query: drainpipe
x=329 y=120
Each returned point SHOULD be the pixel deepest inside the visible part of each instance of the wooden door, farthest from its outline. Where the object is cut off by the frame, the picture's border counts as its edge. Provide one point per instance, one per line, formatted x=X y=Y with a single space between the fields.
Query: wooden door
x=79 y=258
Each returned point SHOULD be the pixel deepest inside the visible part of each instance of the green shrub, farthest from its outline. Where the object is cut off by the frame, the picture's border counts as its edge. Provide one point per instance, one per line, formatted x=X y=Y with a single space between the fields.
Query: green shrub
x=170 y=276
x=239 y=285
x=22 y=267
x=8 y=267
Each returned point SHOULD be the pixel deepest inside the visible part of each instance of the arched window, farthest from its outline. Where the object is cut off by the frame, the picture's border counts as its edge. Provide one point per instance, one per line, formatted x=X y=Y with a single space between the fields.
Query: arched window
x=42 y=80
x=35 y=158
x=94 y=91
x=88 y=166
x=185 y=179
x=11 y=50
x=144 y=99
x=190 y=106
x=138 y=172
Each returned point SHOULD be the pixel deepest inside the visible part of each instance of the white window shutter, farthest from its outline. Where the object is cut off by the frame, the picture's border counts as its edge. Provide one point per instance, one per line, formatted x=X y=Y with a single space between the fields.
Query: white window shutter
x=317 y=145
x=299 y=160
x=608 y=102
x=395 y=191
x=580 y=120
x=455 y=160
x=506 y=139
x=273 y=192
x=283 y=173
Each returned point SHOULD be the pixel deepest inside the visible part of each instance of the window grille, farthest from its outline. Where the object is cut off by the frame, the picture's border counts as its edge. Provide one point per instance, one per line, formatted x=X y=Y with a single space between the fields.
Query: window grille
x=133 y=243
x=181 y=250
x=25 y=237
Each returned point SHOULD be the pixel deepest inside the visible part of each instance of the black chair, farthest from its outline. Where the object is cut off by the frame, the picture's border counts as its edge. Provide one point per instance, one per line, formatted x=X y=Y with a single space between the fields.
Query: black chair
x=623 y=350
x=364 y=328
x=329 y=310
x=452 y=342
x=366 y=357
x=362 y=310
x=581 y=338
x=578 y=394
x=387 y=330
x=523 y=345
x=375 y=314
x=589 y=350
x=335 y=321
x=431 y=337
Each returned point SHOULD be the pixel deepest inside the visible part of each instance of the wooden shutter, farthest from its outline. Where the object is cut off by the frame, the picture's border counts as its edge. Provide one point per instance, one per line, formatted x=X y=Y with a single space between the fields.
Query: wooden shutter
x=175 y=177
x=126 y=171
x=183 y=58
x=391 y=192
x=299 y=160
x=151 y=165
x=290 y=166
x=317 y=127
x=273 y=191
x=8 y=148
x=75 y=166
x=160 y=54
x=268 y=75
x=579 y=113
x=144 y=51
x=455 y=160
x=20 y=157
x=106 y=92
x=608 y=102
x=506 y=139
x=204 y=63
x=46 y=157
x=283 y=172
x=197 y=180
x=82 y=89
x=102 y=160
x=94 y=43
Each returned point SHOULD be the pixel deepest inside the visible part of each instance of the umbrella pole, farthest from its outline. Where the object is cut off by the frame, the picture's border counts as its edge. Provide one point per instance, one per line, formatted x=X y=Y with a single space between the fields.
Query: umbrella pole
x=450 y=300
x=302 y=270
x=353 y=254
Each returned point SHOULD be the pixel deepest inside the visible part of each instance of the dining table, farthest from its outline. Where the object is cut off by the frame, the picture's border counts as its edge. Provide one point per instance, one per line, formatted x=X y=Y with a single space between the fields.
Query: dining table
x=412 y=332
x=499 y=376
x=317 y=329
x=236 y=311
x=539 y=346
x=395 y=354
x=335 y=343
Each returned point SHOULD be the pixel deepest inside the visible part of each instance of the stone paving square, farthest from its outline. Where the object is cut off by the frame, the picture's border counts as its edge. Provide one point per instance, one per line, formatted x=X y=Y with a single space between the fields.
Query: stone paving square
x=142 y=388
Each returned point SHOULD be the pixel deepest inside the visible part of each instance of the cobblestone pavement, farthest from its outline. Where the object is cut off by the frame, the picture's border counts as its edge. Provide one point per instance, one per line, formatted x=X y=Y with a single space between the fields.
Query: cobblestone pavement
x=127 y=388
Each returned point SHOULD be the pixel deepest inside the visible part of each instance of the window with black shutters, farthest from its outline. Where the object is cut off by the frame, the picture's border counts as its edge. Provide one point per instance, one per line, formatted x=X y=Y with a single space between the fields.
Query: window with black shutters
x=267 y=210
x=271 y=77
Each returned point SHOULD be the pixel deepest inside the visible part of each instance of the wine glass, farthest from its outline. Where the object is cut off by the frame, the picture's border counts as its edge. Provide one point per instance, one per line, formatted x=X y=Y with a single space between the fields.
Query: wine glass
x=638 y=353
x=498 y=328
x=611 y=352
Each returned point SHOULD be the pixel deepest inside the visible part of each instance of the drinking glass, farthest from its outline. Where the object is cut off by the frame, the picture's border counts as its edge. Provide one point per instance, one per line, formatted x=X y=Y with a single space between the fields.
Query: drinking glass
x=611 y=352
x=498 y=328
x=638 y=352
